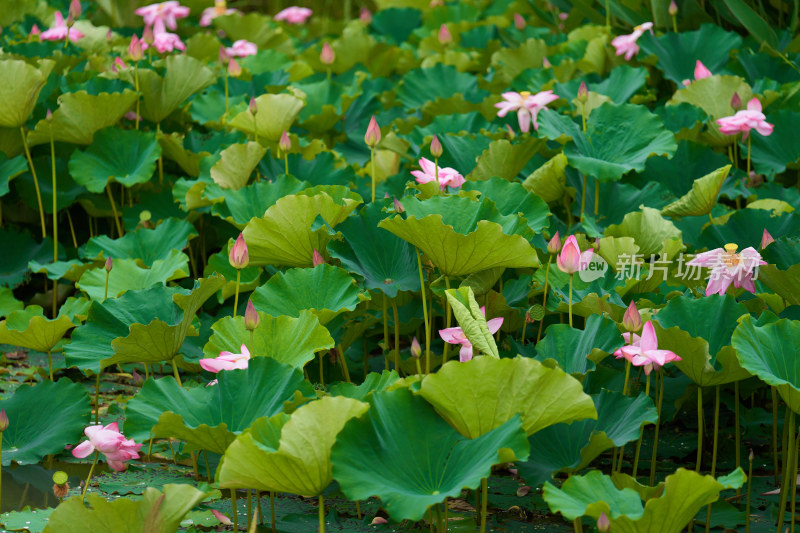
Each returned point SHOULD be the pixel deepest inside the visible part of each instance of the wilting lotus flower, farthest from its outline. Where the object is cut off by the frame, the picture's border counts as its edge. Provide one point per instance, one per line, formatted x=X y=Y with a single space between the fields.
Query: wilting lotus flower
x=111 y=443
x=644 y=350
x=59 y=31
x=626 y=44
x=456 y=336
x=242 y=48
x=227 y=361
x=294 y=15
x=526 y=105
x=218 y=10
x=448 y=177
x=745 y=120
x=167 y=12
x=766 y=239
x=571 y=260
x=729 y=267
x=165 y=41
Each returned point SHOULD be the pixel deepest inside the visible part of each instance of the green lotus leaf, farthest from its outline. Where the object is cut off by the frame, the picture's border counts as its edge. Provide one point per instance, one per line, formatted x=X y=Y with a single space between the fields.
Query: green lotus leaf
x=396 y=23
x=713 y=318
x=322 y=169
x=325 y=101
x=30 y=329
x=745 y=227
x=184 y=76
x=386 y=262
x=466 y=237
x=254 y=27
x=511 y=199
x=284 y=235
x=172 y=146
x=472 y=321
x=421 y=459
x=505 y=160
x=572 y=447
x=772 y=155
x=576 y=351
x=10 y=169
x=373 y=382
x=146 y=245
x=288 y=340
x=482 y=394
x=18 y=96
x=549 y=180
x=461 y=152
x=236 y=164
x=14 y=267
x=249 y=277
x=9 y=304
x=289 y=453
x=615 y=249
x=592 y=494
x=770 y=353
x=785 y=283
x=80 y=115
x=276 y=114
x=127 y=275
x=325 y=290
x=71 y=270
x=156 y=511
x=684 y=120
x=210 y=418
x=618 y=139
x=678 y=174
x=424 y=85
x=67 y=191
x=648 y=228
x=252 y=201
x=702 y=198
x=62 y=411
x=510 y=62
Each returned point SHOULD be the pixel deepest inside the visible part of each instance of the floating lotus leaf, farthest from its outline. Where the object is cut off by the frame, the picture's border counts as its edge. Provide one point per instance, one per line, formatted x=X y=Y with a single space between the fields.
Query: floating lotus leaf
x=288 y=340
x=236 y=164
x=396 y=23
x=618 y=139
x=210 y=418
x=30 y=329
x=512 y=199
x=161 y=95
x=576 y=351
x=648 y=228
x=23 y=84
x=276 y=114
x=482 y=394
x=421 y=459
x=472 y=321
x=325 y=290
x=702 y=198
x=549 y=181
x=146 y=245
x=162 y=512
x=62 y=411
x=289 y=453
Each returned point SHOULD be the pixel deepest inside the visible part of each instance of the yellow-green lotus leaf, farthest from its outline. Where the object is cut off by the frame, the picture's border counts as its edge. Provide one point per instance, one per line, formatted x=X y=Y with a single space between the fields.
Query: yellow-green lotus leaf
x=701 y=199
x=549 y=181
x=235 y=165
x=30 y=329
x=276 y=114
x=20 y=89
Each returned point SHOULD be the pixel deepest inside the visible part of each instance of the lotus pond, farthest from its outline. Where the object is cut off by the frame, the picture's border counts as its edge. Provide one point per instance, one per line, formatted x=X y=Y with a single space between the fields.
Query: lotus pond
x=399 y=265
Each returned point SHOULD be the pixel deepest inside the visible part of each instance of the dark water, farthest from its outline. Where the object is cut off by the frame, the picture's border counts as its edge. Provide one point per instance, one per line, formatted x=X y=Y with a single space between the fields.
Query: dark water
x=32 y=485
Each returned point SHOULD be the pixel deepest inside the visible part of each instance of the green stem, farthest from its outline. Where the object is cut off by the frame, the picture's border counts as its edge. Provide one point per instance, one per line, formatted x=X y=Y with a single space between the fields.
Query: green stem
x=396 y=337
x=286 y=163
x=577 y=525
x=160 y=157
x=234 y=511
x=35 y=181
x=641 y=434
x=608 y=18
x=105 y=291
x=484 y=498
x=699 y=429
x=50 y=364
x=424 y=315
x=596 y=197
x=89 y=477
x=714 y=451
x=736 y=429
x=358 y=509
x=788 y=471
x=175 y=372
x=117 y=222
x=272 y=509
x=138 y=96
x=794 y=483
x=321 y=370
x=236 y=292
x=345 y=369
x=674 y=24
x=448 y=313
x=660 y=379
x=55 y=212
x=583 y=197
x=225 y=77
x=749 y=139
x=544 y=298
x=249 y=505
x=775 y=462
x=97 y=397
x=372 y=170
x=570 y=300
x=208 y=467
x=749 y=490
x=385 y=332
x=321 y=514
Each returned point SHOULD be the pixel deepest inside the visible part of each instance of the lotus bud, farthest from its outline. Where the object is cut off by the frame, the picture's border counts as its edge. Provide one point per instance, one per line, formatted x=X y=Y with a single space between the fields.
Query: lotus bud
x=253 y=106
x=285 y=144
x=673 y=9
x=736 y=102
x=436 y=147
x=224 y=56
x=234 y=68
x=632 y=319
x=109 y=264
x=34 y=31
x=327 y=55
x=398 y=207
x=224 y=520
x=135 y=52
x=510 y=132
x=120 y=63
x=554 y=246
x=519 y=22
x=251 y=318
x=603 y=523
x=752 y=456
x=138 y=379
x=75 y=9
x=386 y=195
x=109 y=36
x=365 y=16
x=70 y=20
x=416 y=349
x=546 y=63
x=49 y=116
x=766 y=239
x=148 y=36
x=3 y=420
x=238 y=256
x=373 y=135
x=444 y=35
x=583 y=93
x=316 y=258
x=378 y=520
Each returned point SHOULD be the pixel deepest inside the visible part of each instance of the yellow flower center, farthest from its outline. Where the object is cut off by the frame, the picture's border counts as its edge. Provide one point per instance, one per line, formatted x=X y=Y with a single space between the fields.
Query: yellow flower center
x=731 y=258
x=525 y=94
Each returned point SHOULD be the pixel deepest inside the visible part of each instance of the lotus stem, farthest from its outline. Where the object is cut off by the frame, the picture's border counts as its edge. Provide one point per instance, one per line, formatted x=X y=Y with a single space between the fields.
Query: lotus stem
x=1 y=462
x=72 y=230
x=794 y=482
x=234 y=511
x=714 y=451
x=321 y=514
x=570 y=300
x=321 y=370
x=608 y=18
x=396 y=336
x=749 y=490
x=419 y=368
x=544 y=298
x=272 y=509
x=258 y=508
x=117 y=222
x=448 y=313
x=172 y=451
x=249 y=505
x=372 y=170
x=484 y=498
x=194 y=466
x=641 y=435
x=749 y=139
x=577 y=525
x=97 y=397
x=775 y=462
x=286 y=163
x=583 y=194
x=236 y=292
x=736 y=428
x=35 y=180
x=50 y=362
x=385 y=332
x=160 y=157
x=424 y=315
x=89 y=477
x=138 y=96
x=105 y=290
x=146 y=371
x=225 y=78
x=55 y=213
x=787 y=470
x=342 y=358
x=596 y=197
x=674 y=24
x=208 y=467
x=175 y=372
x=660 y=379
x=358 y=509
x=699 y=429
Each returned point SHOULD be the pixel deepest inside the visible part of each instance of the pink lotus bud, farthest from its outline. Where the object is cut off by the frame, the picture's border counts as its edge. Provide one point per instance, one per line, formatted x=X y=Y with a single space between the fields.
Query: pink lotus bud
x=571 y=260
x=75 y=9
x=49 y=116
x=673 y=8
x=546 y=63
x=554 y=245
x=148 y=36
x=109 y=264
x=386 y=195
x=632 y=320
x=603 y=523
x=398 y=207
x=253 y=106
x=70 y=20
x=285 y=144
x=700 y=71
x=34 y=31
x=736 y=102
x=109 y=36
x=444 y=35
x=365 y=16
x=327 y=56
x=238 y=256
x=766 y=239
x=436 y=147
x=317 y=259
x=563 y=16
x=583 y=93
x=120 y=63
x=416 y=349
x=510 y=132
x=224 y=520
x=224 y=56
x=251 y=318
x=234 y=68
x=752 y=456
x=519 y=22
x=373 y=135
x=378 y=520
x=135 y=52
x=3 y=420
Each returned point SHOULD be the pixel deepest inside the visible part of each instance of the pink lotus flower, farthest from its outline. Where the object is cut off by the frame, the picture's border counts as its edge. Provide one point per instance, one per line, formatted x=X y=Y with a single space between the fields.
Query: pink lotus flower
x=227 y=361
x=571 y=260
x=242 y=48
x=626 y=44
x=729 y=267
x=745 y=120
x=165 y=41
x=456 y=336
x=294 y=15
x=526 y=105
x=167 y=12
x=644 y=350
x=111 y=443
x=448 y=177
x=210 y=13
x=59 y=31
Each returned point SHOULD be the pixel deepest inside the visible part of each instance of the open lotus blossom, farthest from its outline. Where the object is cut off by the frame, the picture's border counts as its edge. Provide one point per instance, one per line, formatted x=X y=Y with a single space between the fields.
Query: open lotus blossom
x=111 y=443
x=227 y=361
x=644 y=352
x=456 y=336
x=165 y=41
x=167 y=12
x=700 y=72
x=626 y=44
x=729 y=267
x=571 y=260
x=526 y=105
x=242 y=48
x=294 y=15
x=448 y=177
x=59 y=31
x=745 y=120
x=219 y=9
